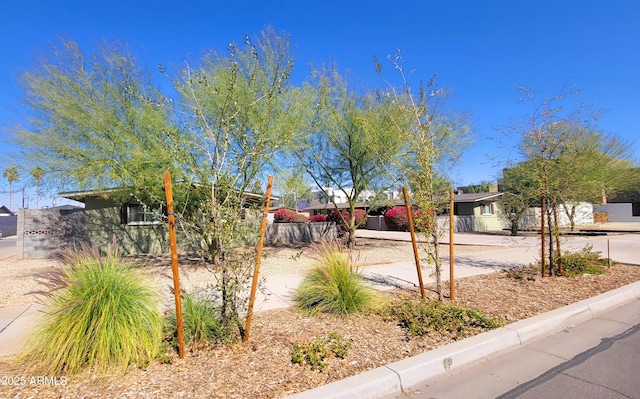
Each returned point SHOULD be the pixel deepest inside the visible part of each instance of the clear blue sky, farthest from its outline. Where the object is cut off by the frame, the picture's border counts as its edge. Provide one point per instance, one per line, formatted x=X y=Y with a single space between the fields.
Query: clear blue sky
x=481 y=49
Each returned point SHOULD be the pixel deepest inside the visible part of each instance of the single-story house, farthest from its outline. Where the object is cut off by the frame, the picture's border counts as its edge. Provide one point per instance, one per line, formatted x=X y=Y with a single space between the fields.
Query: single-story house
x=482 y=208
x=474 y=212
x=4 y=211
x=139 y=228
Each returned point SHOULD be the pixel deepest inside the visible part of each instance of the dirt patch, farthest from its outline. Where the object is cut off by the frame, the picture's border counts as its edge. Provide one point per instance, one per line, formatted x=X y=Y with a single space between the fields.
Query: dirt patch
x=262 y=368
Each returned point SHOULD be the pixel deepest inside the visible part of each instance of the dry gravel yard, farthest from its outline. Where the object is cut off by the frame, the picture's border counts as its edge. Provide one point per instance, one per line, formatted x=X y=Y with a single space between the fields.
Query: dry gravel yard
x=262 y=368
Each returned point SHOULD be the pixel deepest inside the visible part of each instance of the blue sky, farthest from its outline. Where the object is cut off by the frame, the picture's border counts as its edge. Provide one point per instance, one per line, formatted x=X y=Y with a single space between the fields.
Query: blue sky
x=479 y=49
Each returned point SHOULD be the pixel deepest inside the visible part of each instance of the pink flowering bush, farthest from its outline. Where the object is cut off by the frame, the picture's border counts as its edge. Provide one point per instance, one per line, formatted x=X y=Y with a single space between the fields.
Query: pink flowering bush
x=397 y=218
x=285 y=215
x=360 y=214
x=318 y=218
x=300 y=218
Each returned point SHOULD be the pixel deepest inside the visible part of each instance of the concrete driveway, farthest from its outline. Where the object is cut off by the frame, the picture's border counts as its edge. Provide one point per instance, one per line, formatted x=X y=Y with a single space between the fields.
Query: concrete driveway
x=7 y=247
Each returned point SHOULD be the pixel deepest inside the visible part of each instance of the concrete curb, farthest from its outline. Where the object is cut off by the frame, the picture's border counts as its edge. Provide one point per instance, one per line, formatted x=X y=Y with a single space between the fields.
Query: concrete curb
x=401 y=376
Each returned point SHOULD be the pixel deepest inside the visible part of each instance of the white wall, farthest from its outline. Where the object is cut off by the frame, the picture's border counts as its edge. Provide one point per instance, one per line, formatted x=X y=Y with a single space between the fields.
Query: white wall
x=583 y=215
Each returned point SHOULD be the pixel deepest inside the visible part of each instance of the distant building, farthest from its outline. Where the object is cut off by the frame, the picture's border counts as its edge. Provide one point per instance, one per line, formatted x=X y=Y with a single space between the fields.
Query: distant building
x=4 y=211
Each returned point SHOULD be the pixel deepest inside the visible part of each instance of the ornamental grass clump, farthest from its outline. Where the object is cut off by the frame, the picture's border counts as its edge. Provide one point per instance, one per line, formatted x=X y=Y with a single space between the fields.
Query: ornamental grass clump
x=99 y=313
x=200 y=322
x=333 y=285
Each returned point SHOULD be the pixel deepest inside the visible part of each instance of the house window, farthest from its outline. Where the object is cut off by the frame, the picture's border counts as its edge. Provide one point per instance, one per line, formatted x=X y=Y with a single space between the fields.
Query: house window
x=486 y=209
x=635 y=209
x=139 y=214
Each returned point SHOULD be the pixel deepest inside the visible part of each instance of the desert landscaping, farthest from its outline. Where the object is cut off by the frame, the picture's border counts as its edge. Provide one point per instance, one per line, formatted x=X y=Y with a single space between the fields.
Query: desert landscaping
x=263 y=367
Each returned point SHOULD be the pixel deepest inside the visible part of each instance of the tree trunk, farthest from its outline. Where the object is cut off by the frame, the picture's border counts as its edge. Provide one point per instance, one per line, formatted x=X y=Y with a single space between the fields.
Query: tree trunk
x=514 y=227
x=437 y=262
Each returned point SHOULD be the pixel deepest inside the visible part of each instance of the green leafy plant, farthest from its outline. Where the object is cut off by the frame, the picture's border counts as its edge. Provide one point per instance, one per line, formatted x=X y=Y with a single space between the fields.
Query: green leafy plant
x=421 y=317
x=585 y=261
x=314 y=352
x=338 y=345
x=99 y=313
x=333 y=286
x=199 y=320
x=522 y=273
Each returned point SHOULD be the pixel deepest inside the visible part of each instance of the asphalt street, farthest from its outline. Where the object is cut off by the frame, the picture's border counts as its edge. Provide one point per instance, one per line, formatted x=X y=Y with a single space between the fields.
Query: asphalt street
x=597 y=359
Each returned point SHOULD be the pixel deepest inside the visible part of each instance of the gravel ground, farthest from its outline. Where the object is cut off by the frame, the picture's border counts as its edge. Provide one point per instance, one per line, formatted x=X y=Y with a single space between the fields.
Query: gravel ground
x=263 y=368
x=18 y=275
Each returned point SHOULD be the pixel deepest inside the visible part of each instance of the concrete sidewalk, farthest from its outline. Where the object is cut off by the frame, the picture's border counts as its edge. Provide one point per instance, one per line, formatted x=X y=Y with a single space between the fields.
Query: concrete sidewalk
x=623 y=246
x=15 y=321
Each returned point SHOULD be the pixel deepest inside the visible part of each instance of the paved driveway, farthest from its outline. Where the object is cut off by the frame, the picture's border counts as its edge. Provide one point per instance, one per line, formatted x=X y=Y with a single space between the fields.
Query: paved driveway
x=7 y=247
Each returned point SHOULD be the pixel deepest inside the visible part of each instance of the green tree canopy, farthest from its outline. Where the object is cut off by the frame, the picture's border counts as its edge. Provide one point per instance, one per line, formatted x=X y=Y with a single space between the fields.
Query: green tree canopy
x=351 y=142
x=99 y=121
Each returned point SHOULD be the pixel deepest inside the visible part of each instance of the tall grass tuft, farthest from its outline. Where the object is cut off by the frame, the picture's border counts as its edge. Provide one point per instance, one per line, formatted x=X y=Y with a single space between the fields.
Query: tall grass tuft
x=199 y=320
x=99 y=313
x=333 y=285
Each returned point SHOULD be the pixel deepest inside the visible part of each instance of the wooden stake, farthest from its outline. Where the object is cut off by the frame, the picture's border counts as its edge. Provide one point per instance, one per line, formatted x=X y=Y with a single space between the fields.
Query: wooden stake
x=416 y=255
x=542 y=256
x=174 y=262
x=256 y=270
x=608 y=254
x=452 y=292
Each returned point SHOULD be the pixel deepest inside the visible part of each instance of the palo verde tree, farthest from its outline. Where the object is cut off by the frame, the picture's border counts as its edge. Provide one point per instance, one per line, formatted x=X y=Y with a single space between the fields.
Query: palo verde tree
x=545 y=137
x=436 y=138
x=519 y=195
x=37 y=173
x=293 y=187
x=11 y=174
x=562 y=152
x=351 y=143
x=238 y=113
x=95 y=121
x=594 y=165
x=99 y=122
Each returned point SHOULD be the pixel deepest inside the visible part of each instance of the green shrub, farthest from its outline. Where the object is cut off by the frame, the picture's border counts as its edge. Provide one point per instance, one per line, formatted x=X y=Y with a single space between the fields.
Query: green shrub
x=314 y=352
x=421 y=317
x=585 y=261
x=99 y=313
x=200 y=322
x=333 y=286
x=339 y=347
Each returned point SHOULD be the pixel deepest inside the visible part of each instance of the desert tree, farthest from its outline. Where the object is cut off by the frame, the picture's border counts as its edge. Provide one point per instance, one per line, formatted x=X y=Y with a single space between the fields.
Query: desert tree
x=519 y=195
x=595 y=165
x=566 y=158
x=293 y=187
x=351 y=142
x=483 y=187
x=238 y=112
x=436 y=138
x=100 y=121
x=11 y=174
